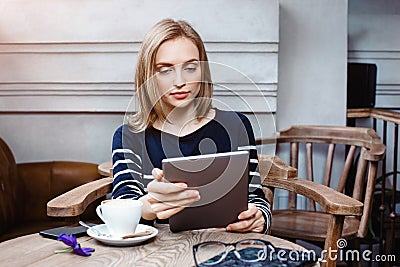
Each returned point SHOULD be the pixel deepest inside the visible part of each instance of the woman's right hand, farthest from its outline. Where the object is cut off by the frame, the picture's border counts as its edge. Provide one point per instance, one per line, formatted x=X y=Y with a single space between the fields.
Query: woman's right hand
x=165 y=199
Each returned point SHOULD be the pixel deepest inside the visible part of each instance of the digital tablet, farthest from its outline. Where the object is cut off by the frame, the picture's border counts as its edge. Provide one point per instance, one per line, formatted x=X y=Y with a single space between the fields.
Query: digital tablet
x=222 y=181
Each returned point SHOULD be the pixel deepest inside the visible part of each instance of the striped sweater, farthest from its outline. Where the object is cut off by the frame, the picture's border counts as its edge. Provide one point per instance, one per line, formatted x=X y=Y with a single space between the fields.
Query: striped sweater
x=134 y=155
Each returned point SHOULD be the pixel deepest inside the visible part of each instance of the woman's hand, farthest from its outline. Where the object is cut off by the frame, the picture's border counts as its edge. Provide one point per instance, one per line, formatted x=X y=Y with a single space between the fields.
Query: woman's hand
x=165 y=199
x=250 y=220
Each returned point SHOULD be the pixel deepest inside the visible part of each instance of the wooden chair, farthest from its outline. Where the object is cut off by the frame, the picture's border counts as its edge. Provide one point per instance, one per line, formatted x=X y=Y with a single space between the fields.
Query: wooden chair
x=275 y=174
x=338 y=216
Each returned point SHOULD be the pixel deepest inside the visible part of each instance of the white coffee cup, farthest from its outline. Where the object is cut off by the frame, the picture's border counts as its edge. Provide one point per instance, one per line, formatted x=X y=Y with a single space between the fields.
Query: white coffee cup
x=121 y=216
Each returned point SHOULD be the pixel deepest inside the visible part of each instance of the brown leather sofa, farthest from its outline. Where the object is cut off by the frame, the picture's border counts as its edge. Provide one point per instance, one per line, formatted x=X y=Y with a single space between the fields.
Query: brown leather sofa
x=26 y=188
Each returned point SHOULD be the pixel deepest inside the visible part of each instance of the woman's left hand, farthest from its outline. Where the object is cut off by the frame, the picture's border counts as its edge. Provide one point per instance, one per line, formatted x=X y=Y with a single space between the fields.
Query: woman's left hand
x=250 y=220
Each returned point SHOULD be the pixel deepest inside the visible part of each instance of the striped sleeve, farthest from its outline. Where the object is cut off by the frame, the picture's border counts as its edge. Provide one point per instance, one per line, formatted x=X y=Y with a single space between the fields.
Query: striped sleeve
x=127 y=169
x=258 y=199
x=256 y=194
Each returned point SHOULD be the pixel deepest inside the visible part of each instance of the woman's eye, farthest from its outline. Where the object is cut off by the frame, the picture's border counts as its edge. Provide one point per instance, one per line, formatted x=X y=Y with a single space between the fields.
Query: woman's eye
x=190 y=68
x=165 y=71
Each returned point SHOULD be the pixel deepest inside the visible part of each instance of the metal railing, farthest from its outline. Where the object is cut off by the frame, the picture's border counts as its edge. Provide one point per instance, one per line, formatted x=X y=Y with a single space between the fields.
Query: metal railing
x=386 y=124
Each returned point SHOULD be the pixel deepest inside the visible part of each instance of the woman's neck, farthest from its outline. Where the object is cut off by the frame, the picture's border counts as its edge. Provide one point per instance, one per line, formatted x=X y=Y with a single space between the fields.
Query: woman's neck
x=183 y=121
x=181 y=116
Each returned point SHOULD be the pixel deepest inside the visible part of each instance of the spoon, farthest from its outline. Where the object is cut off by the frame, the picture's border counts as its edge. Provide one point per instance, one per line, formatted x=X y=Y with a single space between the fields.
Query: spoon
x=97 y=232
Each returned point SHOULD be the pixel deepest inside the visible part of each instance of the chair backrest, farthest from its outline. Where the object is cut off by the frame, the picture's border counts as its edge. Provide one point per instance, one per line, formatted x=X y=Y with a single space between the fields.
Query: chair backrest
x=357 y=149
x=8 y=188
x=25 y=188
x=43 y=181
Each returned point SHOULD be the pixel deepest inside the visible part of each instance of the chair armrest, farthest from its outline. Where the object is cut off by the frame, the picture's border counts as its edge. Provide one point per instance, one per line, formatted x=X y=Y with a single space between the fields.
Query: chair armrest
x=277 y=174
x=106 y=168
x=74 y=202
x=331 y=201
x=273 y=166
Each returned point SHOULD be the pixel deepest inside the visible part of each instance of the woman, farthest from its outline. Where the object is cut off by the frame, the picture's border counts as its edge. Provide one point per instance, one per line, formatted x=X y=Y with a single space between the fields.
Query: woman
x=175 y=118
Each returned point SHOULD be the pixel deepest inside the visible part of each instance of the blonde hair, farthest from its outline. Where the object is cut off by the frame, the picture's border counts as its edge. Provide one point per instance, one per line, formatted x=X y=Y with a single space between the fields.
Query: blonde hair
x=146 y=87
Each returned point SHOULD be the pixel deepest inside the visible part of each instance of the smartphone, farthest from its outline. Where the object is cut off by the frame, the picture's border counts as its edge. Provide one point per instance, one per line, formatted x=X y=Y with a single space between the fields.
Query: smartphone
x=55 y=232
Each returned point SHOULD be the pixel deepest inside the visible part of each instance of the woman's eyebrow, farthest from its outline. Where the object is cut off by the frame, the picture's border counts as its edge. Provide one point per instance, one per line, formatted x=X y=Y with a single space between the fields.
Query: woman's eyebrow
x=166 y=64
x=191 y=60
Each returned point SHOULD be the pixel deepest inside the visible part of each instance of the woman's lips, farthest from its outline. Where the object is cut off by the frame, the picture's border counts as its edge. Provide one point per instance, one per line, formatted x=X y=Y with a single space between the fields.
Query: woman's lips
x=180 y=95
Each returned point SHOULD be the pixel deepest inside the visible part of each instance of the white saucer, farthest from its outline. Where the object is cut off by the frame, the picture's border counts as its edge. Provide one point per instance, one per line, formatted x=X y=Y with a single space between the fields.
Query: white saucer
x=118 y=241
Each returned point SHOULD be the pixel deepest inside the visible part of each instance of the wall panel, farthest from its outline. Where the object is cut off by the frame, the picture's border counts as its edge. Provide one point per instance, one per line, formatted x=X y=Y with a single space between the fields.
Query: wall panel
x=69 y=57
x=374 y=37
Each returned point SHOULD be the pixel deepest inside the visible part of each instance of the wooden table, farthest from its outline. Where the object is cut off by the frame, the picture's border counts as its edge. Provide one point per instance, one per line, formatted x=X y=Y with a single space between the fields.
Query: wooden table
x=166 y=249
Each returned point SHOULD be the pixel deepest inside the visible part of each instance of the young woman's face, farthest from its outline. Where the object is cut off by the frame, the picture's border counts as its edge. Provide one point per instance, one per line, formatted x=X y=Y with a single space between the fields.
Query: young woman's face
x=178 y=72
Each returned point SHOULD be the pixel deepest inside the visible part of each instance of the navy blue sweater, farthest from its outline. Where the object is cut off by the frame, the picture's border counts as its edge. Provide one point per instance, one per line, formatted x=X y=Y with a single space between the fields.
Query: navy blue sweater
x=136 y=154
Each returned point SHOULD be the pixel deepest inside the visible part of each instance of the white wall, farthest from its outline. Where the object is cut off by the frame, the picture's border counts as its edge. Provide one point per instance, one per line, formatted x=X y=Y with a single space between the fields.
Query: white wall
x=67 y=67
x=312 y=71
x=62 y=136
x=374 y=37
x=81 y=54
x=312 y=63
